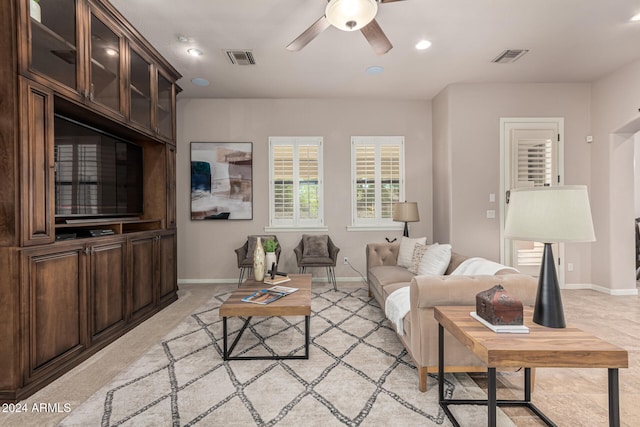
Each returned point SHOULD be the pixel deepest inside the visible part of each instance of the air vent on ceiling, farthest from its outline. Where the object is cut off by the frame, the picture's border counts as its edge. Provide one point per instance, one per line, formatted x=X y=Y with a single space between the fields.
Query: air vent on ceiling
x=240 y=57
x=509 y=56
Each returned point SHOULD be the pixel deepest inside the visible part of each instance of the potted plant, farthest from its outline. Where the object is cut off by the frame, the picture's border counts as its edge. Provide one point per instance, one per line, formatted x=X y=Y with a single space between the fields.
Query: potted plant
x=34 y=10
x=270 y=246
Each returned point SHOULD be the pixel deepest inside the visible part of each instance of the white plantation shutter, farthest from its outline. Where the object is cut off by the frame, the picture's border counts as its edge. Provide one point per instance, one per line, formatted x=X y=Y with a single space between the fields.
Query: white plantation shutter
x=377 y=177
x=534 y=163
x=365 y=181
x=282 y=187
x=308 y=181
x=390 y=179
x=295 y=181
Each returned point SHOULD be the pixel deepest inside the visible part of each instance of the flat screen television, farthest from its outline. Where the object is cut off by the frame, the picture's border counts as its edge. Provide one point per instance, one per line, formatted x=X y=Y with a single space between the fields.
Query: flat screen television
x=96 y=174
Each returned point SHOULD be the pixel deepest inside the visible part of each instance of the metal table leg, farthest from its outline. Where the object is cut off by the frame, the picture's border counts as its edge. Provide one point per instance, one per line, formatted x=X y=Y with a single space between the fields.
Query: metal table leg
x=614 y=399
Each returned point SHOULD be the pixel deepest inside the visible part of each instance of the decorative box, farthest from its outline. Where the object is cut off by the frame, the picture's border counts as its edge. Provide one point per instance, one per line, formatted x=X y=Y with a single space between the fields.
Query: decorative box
x=498 y=307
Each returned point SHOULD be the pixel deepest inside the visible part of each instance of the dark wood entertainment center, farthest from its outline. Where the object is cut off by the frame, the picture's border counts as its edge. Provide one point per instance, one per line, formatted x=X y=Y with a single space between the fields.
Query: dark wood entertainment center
x=61 y=300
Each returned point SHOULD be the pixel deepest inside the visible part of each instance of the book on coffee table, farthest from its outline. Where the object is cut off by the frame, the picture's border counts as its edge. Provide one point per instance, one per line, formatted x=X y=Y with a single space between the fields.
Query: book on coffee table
x=283 y=289
x=505 y=329
x=277 y=279
x=263 y=296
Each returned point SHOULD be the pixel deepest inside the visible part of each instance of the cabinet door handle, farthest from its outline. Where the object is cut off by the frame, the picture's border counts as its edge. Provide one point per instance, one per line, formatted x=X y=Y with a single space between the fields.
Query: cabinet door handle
x=87 y=251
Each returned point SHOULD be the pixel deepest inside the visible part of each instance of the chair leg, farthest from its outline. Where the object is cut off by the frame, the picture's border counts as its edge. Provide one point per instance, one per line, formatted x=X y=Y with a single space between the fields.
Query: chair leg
x=241 y=276
x=331 y=275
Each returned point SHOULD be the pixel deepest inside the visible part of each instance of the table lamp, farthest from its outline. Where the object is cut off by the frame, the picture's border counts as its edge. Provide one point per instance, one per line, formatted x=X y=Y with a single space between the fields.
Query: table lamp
x=549 y=215
x=406 y=212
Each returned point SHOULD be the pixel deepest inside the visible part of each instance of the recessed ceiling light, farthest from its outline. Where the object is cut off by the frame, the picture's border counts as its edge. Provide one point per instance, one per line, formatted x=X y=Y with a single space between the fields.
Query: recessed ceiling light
x=375 y=69
x=199 y=81
x=194 y=52
x=423 y=44
x=636 y=18
x=111 y=51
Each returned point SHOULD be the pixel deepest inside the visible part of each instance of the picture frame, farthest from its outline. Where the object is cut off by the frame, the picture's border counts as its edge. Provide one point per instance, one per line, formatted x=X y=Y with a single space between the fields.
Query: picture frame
x=221 y=180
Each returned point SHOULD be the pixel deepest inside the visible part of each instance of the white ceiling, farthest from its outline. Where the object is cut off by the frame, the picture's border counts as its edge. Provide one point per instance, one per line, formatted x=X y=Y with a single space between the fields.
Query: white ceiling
x=569 y=41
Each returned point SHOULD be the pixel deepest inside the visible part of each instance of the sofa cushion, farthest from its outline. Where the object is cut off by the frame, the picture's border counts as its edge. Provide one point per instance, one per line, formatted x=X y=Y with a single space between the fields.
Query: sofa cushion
x=456 y=260
x=418 y=253
x=435 y=260
x=388 y=274
x=407 y=246
x=315 y=246
x=392 y=287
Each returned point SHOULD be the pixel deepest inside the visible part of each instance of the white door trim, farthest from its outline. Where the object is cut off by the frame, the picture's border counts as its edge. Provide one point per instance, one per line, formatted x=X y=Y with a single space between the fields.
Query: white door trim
x=504 y=121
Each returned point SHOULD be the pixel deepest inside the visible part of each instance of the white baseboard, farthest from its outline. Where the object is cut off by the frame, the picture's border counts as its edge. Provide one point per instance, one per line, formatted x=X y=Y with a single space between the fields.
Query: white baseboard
x=235 y=280
x=602 y=289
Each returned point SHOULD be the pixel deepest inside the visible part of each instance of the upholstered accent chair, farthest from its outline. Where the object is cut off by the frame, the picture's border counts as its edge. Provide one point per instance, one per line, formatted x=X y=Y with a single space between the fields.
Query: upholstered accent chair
x=317 y=251
x=245 y=254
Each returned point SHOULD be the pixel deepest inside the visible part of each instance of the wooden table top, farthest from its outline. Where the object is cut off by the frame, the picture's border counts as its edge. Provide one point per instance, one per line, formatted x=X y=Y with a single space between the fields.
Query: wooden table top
x=295 y=304
x=541 y=347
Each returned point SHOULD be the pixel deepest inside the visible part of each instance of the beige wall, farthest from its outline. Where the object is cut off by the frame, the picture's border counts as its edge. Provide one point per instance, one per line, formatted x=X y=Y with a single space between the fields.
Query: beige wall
x=471 y=127
x=615 y=118
x=205 y=248
x=464 y=166
x=441 y=168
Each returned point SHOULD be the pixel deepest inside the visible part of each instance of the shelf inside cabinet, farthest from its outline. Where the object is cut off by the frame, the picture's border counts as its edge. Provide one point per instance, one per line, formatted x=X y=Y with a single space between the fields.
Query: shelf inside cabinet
x=54 y=37
x=78 y=229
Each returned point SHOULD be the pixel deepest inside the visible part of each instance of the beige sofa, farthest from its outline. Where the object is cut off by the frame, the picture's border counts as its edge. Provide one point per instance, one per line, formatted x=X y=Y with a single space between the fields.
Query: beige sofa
x=420 y=336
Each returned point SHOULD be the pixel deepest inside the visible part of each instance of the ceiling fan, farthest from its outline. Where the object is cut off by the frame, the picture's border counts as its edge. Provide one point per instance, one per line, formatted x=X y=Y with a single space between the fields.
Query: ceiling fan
x=348 y=15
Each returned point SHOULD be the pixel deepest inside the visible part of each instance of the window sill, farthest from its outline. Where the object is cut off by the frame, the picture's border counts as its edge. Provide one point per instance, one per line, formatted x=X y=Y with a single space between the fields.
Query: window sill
x=286 y=228
x=384 y=227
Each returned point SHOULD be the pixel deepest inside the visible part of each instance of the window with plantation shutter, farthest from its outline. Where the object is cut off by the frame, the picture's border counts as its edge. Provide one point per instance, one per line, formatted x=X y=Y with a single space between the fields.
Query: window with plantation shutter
x=377 y=170
x=295 y=182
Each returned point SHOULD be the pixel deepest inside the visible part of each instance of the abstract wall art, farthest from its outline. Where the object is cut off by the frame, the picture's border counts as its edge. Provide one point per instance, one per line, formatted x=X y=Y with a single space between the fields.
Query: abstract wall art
x=221 y=180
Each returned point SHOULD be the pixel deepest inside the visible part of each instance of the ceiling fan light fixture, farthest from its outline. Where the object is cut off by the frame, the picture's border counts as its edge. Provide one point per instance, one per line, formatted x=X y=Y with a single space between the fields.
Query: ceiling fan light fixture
x=351 y=15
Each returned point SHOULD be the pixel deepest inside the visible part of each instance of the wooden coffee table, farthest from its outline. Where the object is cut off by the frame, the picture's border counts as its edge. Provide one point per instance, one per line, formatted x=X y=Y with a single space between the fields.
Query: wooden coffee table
x=541 y=347
x=295 y=304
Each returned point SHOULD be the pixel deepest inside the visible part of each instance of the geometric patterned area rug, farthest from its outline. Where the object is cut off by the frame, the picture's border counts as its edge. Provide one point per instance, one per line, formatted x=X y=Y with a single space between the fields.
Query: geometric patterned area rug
x=358 y=373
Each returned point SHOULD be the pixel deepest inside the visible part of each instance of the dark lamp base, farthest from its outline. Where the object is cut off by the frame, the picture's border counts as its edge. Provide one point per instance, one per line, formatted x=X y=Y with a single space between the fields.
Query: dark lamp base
x=548 y=310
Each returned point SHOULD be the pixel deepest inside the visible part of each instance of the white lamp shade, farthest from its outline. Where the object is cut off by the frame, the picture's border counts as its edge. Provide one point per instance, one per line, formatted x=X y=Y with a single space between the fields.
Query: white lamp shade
x=550 y=214
x=351 y=15
x=406 y=212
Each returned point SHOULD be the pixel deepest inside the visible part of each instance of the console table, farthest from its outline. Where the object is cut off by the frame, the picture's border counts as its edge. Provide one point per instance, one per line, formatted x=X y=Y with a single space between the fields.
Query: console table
x=541 y=347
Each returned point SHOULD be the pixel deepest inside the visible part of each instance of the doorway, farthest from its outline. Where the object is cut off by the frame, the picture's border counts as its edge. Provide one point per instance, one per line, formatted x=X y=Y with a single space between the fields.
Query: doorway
x=531 y=151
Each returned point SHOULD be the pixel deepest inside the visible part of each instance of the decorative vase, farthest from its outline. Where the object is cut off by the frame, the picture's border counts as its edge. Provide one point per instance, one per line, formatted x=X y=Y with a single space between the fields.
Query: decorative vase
x=269 y=259
x=258 y=261
x=34 y=10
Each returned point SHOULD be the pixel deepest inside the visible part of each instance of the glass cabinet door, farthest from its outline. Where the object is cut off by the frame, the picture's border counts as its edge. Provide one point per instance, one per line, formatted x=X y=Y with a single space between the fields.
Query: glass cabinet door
x=140 y=89
x=54 y=51
x=165 y=107
x=105 y=64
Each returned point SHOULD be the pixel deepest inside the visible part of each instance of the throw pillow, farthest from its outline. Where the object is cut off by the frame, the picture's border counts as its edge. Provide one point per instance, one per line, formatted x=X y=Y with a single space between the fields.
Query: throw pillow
x=418 y=253
x=406 y=250
x=315 y=246
x=435 y=260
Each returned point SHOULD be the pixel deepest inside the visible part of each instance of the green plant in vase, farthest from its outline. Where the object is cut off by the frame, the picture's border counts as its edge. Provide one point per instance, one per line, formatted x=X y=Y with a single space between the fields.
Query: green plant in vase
x=270 y=246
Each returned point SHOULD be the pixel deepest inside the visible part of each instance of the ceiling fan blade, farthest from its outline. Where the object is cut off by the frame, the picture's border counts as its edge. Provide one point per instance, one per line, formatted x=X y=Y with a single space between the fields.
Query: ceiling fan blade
x=376 y=38
x=309 y=34
x=388 y=1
